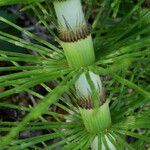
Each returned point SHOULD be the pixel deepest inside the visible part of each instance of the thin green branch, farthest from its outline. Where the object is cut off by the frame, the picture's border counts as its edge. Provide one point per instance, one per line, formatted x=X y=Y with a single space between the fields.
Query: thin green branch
x=41 y=18
x=32 y=82
x=35 y=140
x=40 y=108
x=26 y=74
x=131 y=47
x=131 y=85
x=24 y=42
x=13 y=2
x=23 y=45
x=136 y=135
x=17 y=68
x=30 y=34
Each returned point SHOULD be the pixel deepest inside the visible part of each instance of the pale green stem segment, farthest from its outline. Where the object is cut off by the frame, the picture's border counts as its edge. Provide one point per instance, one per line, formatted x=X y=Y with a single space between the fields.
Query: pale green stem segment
x=79 y=53
x=96 y=120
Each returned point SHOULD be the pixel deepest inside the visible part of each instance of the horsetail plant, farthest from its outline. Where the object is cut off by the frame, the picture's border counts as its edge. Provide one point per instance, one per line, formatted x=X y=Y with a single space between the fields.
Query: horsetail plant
x=73 y=112
x=76 y=39
x=77 y=44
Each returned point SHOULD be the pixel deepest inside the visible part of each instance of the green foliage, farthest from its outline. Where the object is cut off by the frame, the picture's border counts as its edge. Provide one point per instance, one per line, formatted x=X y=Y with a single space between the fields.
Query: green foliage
x=122 y=50
x=12 y=2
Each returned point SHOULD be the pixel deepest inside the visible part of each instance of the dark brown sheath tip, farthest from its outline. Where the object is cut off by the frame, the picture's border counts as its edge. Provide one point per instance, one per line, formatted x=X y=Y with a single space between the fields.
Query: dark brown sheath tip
x=74 y=35
x=88 y=103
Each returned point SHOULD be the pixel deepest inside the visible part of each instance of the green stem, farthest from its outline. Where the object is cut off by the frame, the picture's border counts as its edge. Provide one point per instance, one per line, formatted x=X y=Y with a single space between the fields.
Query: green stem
x=78 y=47
x=79 y=53
x=96 y=120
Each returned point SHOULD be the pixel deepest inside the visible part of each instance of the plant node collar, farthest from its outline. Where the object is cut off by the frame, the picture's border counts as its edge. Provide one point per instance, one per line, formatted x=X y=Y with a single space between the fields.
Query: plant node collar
x=96 y=120
x=72 y=35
